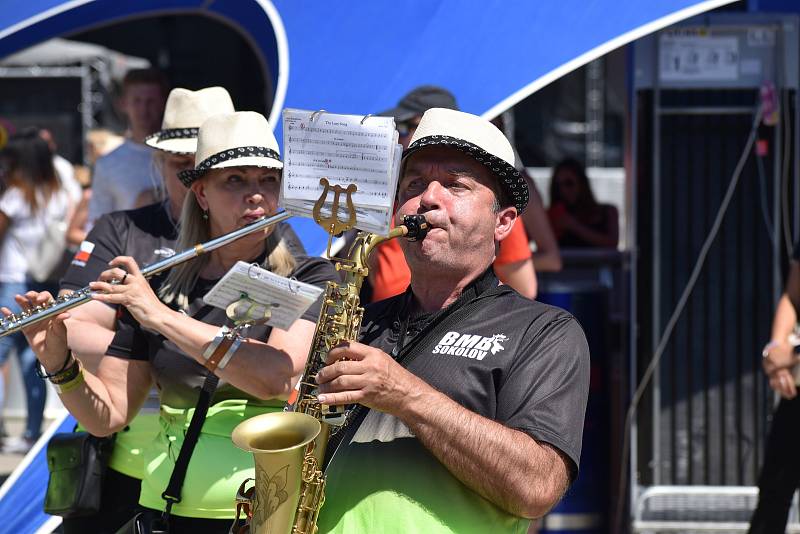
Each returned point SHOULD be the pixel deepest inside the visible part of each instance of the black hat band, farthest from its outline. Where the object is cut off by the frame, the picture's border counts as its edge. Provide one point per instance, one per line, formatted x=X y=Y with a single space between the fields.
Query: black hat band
x=510 y=178
x=177 y=133
x=187 y=177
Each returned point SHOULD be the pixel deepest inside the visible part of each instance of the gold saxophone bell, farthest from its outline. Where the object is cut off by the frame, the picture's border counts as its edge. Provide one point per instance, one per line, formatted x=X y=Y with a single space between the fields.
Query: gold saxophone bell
x=279 y=443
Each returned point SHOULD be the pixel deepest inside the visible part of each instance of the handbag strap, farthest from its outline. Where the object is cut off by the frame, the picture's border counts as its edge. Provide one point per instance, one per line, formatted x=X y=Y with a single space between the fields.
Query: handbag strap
x=173 y=492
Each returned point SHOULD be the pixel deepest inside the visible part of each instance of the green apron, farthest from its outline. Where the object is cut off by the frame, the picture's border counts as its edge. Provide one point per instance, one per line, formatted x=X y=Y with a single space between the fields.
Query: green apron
x=127 y=455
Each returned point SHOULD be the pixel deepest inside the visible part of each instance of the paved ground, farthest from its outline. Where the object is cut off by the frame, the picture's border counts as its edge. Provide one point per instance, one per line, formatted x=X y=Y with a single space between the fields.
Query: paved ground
x=8 y=461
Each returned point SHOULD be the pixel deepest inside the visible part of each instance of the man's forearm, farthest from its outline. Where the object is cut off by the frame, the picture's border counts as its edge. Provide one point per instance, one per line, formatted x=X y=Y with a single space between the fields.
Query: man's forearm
x=506 y=466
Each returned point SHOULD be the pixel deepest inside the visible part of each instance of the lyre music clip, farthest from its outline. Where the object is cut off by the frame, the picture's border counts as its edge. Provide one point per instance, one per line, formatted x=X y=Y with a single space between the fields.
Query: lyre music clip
x=333 y=224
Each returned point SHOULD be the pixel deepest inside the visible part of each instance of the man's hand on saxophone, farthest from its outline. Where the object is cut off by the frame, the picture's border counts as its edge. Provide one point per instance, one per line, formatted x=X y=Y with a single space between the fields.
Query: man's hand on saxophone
x=360 y=374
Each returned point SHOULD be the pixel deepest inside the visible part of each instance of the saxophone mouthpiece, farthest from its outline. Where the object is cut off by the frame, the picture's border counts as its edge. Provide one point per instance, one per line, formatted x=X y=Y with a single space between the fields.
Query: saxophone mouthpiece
x=417 y=227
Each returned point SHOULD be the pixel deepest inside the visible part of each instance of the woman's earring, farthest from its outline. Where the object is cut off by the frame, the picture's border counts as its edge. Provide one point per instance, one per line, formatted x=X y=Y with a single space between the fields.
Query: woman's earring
x=205 y=215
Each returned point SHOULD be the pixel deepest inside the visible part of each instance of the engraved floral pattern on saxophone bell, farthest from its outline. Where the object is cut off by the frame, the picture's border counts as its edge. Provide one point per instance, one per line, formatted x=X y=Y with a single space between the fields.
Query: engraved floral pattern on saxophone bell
x=270 y=496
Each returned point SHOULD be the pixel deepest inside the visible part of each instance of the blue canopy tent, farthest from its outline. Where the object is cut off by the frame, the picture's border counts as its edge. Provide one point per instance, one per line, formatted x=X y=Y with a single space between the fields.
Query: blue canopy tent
x=362 y=56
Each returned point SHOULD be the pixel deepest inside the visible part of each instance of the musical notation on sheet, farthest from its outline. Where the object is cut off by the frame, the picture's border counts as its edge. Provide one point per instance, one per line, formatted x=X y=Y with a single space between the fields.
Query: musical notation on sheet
x=345 y=150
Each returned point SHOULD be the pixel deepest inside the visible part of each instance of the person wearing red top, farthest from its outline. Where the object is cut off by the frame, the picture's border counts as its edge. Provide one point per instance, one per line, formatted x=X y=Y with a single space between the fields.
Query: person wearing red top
x=390 y=275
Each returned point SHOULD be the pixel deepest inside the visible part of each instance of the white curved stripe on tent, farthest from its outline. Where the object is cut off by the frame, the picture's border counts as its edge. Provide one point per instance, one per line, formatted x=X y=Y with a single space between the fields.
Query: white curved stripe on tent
x=283 y=59
x=269 y=9
x=44 y=15
x=601 y=50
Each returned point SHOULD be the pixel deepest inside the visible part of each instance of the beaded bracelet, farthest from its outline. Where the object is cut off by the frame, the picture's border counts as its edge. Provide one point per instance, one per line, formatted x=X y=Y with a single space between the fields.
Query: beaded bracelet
x=41 y=372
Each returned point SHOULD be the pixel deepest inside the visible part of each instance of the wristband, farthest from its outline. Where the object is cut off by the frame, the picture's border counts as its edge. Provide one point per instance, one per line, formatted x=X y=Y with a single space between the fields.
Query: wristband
x=72 y=383
x=230 y=352
x=222 y=349
x=768 y=347
x=222 y=333
x=67 y=374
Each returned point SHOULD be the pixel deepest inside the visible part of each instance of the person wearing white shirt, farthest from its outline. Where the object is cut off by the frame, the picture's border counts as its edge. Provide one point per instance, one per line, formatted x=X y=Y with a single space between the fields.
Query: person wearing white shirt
x=64 y=169
x=124 y=173
x=31 y=197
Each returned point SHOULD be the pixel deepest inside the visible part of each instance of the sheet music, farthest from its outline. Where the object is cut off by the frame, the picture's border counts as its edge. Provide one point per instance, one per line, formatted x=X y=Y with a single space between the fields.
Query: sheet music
x=288 y=299
x=344 y=151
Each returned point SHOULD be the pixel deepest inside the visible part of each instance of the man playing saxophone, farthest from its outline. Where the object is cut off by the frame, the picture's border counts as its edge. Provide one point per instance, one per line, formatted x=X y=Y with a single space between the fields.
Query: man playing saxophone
x=472 y=397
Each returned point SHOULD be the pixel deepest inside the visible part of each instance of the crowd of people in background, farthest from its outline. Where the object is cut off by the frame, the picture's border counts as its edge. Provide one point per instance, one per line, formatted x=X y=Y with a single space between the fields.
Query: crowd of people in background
x=33 y=199
x=42 y=194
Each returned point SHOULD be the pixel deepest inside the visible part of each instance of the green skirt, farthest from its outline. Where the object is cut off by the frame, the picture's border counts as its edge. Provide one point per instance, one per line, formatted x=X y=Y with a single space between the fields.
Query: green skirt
x=217 y=467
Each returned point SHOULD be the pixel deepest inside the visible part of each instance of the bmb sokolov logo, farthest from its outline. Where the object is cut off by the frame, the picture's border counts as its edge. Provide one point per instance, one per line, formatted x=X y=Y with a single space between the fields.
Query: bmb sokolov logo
x=469 y=346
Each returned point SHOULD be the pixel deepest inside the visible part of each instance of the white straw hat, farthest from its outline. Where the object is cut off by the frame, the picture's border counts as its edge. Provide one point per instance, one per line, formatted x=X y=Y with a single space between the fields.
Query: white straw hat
x=240 y=139
x=479 y=139
x=184 y=113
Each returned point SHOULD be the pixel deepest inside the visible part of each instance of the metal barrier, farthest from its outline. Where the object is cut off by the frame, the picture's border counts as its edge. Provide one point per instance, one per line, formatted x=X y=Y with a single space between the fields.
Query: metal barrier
x=689 y=509
x=698 y=436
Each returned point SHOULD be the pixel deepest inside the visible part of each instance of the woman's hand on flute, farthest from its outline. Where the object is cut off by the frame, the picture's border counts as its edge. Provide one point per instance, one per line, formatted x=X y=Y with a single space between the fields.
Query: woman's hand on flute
x=47 y=338
x=124 y=284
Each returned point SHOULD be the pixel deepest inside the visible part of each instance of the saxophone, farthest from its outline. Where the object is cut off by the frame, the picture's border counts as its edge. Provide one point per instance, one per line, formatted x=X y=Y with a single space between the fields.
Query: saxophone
x=289 y=446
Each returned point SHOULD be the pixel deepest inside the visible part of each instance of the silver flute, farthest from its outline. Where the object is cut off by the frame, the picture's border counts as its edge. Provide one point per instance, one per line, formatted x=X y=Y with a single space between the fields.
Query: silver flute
x=24 y=319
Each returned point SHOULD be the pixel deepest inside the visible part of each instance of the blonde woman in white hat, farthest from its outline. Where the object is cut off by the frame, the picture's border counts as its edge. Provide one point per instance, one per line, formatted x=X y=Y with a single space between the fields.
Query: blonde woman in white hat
x=165 y=340
x=147 y=234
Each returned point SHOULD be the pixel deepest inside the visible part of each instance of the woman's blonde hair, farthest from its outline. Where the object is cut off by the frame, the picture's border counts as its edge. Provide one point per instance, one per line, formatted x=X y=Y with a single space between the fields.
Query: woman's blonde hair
x=193 y=230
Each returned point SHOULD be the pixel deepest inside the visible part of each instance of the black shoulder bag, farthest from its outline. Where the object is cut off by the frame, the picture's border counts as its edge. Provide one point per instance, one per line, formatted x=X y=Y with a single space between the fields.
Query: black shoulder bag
x=77 y=462
x=149 y=521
